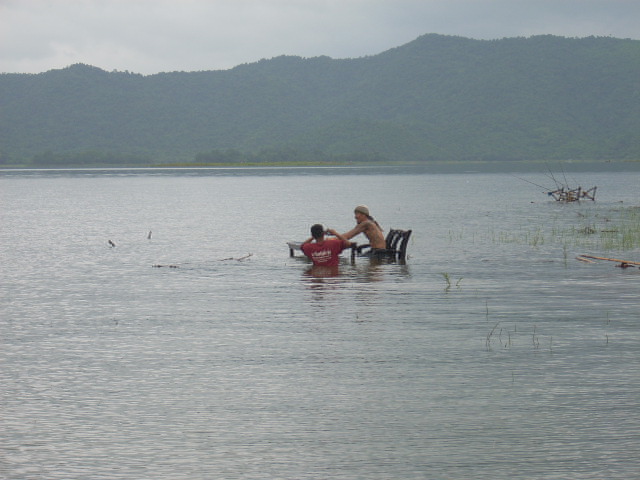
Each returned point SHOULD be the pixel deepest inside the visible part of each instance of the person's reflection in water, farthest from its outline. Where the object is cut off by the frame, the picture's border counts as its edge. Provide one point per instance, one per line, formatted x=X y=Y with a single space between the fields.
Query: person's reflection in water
x=359 y=280
x=370 y=271
x=320 y=271
x=321 y=280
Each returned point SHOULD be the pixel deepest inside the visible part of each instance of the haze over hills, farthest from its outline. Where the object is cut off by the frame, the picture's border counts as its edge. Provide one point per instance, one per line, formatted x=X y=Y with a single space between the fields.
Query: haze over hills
x=436 y=98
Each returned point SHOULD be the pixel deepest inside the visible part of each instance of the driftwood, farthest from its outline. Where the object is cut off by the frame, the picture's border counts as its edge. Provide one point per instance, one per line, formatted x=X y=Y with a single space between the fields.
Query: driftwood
x=239 y=259
x=586 y=260
x=623 y=263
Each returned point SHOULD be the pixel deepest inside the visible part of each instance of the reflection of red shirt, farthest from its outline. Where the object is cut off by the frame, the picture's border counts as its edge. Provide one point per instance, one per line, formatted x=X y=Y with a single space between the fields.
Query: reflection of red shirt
x=325 y=253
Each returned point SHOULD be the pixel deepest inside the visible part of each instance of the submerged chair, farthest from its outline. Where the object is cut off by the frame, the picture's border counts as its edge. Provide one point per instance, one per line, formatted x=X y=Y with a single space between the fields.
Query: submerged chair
x=396 y=245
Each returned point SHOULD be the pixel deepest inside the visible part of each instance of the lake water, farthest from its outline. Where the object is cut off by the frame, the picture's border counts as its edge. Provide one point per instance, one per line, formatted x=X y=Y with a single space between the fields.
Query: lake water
x=492 y=353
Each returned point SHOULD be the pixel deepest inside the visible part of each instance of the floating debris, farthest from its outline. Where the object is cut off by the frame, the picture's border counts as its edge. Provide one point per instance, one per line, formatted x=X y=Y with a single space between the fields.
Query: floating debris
x=623 y=263
x=566 y=194
x=167 y=266
x=239 y=259
x=111 y=244
x=563 y=193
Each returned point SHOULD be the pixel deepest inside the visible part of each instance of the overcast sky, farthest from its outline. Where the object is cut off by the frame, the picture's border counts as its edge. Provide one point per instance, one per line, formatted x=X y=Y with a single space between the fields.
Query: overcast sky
x=151 y=36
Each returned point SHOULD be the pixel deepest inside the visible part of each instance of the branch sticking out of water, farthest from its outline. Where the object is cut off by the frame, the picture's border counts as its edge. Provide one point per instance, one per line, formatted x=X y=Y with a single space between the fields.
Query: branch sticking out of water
x=239 y=259
x=488 y=341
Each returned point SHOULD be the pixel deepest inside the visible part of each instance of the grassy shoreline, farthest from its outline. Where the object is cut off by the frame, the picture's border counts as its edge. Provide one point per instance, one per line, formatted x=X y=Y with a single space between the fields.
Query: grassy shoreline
x=463 y=165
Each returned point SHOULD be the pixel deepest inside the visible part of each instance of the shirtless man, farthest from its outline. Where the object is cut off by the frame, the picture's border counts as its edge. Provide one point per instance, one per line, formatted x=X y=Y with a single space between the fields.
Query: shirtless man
x=367 y=225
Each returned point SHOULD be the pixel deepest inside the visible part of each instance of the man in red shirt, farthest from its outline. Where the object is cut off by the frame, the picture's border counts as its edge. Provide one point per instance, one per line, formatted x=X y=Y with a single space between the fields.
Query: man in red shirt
x=324 y=251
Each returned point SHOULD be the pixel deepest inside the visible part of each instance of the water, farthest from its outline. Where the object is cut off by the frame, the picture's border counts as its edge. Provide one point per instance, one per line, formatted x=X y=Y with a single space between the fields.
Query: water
x=241 y=363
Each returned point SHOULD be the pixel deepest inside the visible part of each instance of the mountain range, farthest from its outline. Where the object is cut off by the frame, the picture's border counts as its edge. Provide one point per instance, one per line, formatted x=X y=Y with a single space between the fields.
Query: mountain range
x=438 y=97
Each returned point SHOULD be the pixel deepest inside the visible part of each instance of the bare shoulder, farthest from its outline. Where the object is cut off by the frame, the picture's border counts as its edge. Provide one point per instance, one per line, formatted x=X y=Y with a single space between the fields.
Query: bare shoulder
x=361 y=227
x=368 y=225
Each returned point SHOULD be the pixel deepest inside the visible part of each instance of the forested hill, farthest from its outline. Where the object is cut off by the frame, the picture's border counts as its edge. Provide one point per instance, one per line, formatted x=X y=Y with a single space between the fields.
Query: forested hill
x=436 y=98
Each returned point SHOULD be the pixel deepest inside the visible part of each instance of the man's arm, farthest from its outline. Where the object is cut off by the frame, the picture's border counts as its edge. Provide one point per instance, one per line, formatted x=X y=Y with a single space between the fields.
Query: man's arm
x=339 y=236
x=359 y=228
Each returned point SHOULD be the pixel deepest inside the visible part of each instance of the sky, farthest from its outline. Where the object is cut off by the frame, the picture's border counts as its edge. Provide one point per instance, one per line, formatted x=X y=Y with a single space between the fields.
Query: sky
x=152 y=36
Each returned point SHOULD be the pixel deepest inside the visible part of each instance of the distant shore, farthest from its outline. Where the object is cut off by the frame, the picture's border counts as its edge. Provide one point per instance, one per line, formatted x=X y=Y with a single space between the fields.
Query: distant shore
x=449 y=166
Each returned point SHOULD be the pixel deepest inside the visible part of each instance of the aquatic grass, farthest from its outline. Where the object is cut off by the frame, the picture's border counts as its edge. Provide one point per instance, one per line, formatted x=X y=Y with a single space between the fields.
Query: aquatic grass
x=489 y=335
x=447 y=279
x=612 y=229
x=504 y=344
x=535 y=339
x=536 y=237
x=455 y=236
x=522 y=237
x=618 y=230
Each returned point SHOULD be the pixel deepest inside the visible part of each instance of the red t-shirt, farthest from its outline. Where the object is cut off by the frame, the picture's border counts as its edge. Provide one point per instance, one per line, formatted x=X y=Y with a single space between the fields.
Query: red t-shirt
x=325 y=253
